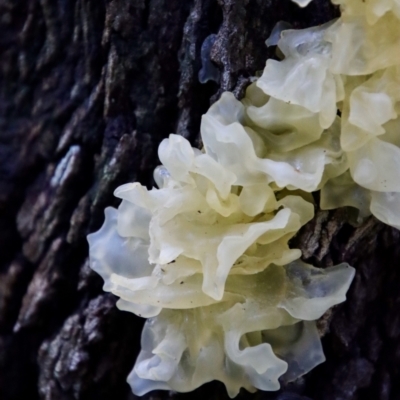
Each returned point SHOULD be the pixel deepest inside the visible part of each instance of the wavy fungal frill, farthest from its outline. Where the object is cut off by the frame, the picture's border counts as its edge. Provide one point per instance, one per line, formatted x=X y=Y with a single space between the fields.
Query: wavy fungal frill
x=205 y=257
x=207 y=260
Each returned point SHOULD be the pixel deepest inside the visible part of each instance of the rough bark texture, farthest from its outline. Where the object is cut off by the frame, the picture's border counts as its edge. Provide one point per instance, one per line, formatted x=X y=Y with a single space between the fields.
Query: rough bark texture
x=88 y=90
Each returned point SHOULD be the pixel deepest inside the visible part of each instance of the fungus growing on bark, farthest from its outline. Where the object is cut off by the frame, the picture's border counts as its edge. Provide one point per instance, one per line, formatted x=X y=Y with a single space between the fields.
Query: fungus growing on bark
x=205 y=256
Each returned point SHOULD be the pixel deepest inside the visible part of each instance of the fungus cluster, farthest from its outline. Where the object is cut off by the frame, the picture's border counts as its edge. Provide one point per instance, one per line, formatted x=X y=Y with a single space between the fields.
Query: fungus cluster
x=205 y=256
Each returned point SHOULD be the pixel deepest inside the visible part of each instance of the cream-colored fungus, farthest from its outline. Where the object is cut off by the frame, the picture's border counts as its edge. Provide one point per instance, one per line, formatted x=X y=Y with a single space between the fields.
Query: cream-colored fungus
x=350 y=66
x=250 y=342
x=302 y=3
x=205 y=256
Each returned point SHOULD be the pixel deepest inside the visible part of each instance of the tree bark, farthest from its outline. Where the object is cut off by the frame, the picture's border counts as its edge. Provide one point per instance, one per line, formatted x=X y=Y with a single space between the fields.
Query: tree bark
x=88 y=90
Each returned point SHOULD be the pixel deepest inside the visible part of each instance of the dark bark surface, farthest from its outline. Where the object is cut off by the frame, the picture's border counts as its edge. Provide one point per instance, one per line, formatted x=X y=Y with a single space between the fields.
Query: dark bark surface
x=88 y=89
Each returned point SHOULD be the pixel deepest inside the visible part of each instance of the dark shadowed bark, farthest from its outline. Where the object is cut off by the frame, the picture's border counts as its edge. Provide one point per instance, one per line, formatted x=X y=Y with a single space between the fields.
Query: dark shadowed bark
x=88 y=90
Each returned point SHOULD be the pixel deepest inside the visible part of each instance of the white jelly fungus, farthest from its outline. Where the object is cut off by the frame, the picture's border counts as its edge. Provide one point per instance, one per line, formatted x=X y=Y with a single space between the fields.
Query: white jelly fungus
x=205 y=256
